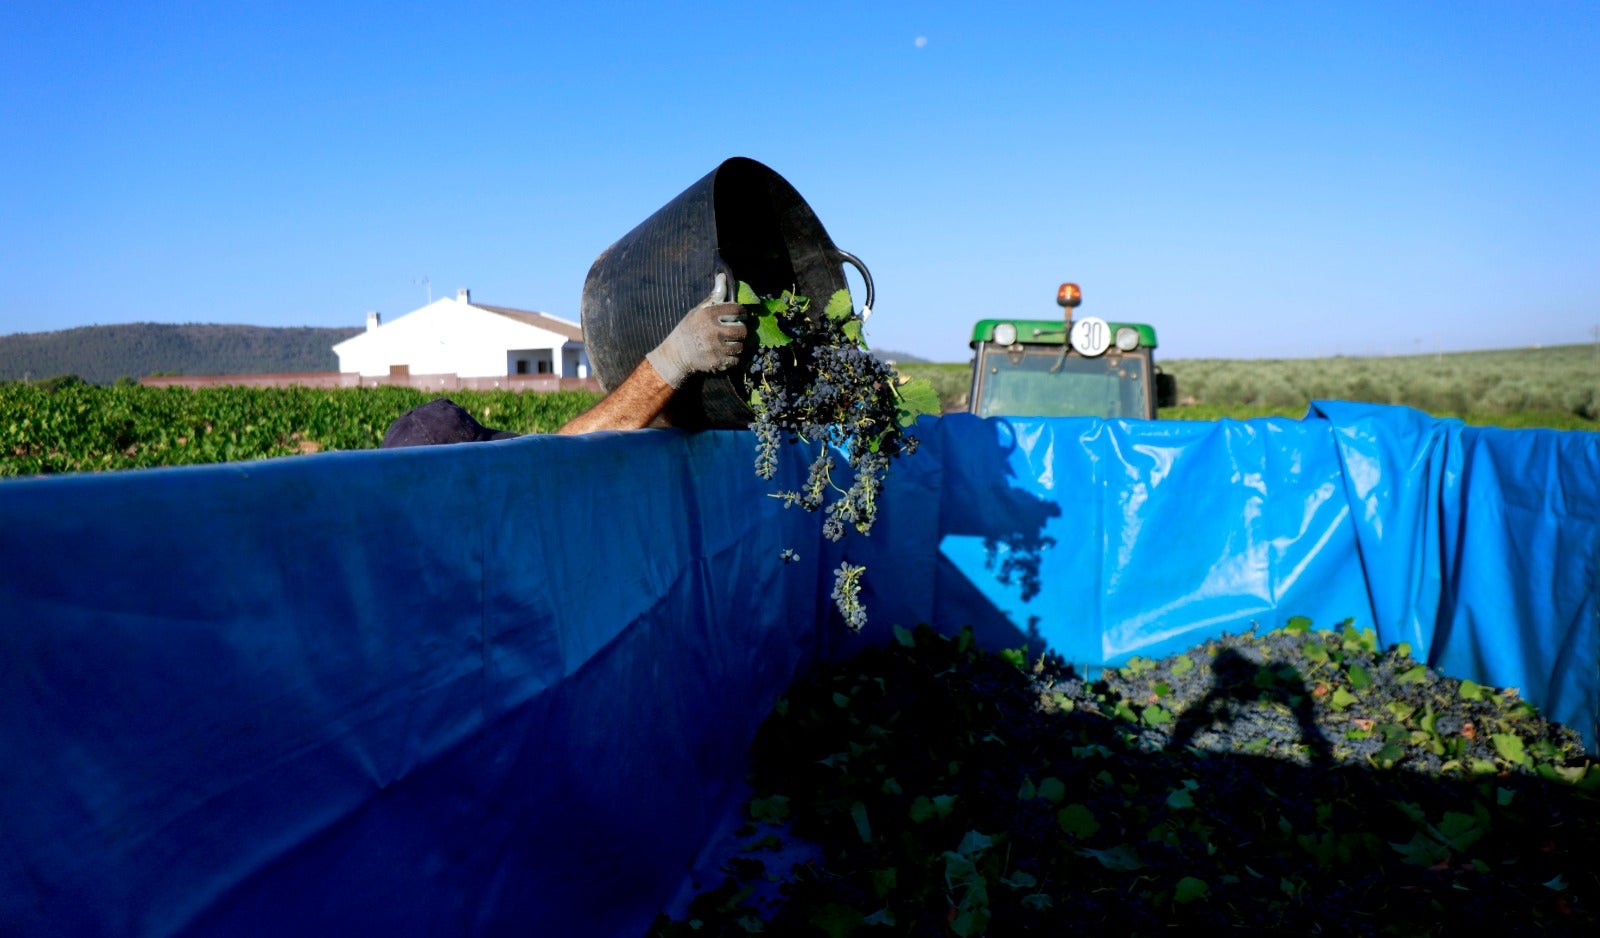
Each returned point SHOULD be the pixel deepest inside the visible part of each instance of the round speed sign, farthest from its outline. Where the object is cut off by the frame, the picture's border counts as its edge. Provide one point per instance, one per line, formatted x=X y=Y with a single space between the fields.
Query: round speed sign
x=1091 y=336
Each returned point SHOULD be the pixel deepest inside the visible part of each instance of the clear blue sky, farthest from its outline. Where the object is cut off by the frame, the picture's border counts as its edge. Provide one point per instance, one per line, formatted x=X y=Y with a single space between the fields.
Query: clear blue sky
x=1260 y=179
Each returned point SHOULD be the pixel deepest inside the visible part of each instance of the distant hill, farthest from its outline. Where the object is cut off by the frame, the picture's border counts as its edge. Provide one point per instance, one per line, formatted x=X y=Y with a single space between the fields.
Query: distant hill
x=102 y=354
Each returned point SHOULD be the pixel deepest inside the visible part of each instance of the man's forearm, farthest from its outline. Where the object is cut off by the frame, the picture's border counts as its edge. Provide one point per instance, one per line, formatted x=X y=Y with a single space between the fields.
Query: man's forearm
x=634 y=405
x=709 y=338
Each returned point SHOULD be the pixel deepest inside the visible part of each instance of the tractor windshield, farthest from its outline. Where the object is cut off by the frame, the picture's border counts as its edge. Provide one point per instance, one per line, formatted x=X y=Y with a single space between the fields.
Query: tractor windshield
x=1037 y=381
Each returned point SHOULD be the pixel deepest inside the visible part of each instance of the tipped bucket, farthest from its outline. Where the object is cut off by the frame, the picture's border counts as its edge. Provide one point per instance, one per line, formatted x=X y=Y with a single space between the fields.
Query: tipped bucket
x=741 y=219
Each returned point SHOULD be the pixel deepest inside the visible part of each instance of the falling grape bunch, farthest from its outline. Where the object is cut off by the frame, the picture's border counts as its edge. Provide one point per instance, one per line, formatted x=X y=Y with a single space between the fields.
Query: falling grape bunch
x=813 y=381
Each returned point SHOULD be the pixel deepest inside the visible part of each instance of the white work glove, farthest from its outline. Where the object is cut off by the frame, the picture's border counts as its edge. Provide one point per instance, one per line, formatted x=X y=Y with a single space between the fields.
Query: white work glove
x=710 y=337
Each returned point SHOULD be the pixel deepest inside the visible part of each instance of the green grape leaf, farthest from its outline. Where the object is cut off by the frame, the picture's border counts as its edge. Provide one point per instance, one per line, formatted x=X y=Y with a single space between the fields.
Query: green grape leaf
x=839 y=307
x=1342 y=699
x=917 y=397
x=1020 y=879
x=974 y=842
x=1509 y=747
x=769 y=333
x=858 y=813
x=1189 y=889
x=1421 y=850
x=746 y=295
x=837 y=920
x=1122 y=857
x=1077 y=820
x=1460 y=830
x=1416 y=675
x=926 y=809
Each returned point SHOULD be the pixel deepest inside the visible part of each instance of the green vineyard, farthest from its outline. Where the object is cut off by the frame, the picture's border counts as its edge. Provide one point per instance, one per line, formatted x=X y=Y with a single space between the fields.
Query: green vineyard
x=87 y=428
x=56 y=426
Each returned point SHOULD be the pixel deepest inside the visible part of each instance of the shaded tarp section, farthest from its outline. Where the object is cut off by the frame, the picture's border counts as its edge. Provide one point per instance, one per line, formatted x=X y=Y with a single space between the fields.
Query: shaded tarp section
x=510 y=686
x=437 y=691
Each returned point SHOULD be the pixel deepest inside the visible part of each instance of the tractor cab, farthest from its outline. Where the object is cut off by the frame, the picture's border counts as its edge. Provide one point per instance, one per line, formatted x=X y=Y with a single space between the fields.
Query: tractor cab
x=1067 y=367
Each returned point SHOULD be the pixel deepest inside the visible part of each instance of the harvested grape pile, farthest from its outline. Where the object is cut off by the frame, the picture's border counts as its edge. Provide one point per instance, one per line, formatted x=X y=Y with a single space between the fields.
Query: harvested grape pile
x=1297 y=782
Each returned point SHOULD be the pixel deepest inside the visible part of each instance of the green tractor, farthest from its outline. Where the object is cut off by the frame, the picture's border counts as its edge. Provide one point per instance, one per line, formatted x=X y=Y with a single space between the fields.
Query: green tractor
x=1067 y=368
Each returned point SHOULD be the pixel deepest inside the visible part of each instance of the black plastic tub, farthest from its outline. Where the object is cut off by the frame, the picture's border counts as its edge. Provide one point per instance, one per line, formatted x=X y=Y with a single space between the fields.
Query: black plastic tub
x=741 y=219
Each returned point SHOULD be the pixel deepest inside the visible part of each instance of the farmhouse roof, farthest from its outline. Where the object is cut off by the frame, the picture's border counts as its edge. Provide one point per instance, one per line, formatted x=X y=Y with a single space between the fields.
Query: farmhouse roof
x=562 y=327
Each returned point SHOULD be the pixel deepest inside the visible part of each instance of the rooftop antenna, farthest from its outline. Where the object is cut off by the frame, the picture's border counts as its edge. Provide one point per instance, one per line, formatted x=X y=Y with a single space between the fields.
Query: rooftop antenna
x=429 y=284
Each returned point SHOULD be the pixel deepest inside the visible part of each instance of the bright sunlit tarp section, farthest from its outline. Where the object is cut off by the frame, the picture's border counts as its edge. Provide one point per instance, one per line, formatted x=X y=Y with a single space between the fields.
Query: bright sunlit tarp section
x=1105 y=539
x=1481 y=548
x=509 y=687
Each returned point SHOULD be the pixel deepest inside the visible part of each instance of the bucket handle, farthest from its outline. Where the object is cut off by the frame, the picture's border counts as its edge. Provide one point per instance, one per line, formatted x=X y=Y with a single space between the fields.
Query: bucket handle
x=854 y=261
x=847 y=257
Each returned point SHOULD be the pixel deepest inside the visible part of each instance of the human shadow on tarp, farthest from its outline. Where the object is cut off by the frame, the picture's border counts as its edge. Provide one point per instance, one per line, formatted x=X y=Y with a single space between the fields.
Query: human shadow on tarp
x=1238 y=686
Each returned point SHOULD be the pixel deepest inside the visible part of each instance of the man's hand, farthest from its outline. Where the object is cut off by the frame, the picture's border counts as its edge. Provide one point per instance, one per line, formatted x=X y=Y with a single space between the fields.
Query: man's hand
x=709 y=338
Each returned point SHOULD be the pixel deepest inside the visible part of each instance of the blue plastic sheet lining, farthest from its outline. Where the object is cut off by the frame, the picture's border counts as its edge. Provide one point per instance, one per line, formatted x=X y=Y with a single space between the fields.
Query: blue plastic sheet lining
x=509 y=687
x=459 y=690
x=1480 y=547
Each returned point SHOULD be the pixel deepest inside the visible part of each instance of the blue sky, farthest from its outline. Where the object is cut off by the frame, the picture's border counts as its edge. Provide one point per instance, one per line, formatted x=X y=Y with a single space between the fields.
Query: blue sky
x=1271 y=179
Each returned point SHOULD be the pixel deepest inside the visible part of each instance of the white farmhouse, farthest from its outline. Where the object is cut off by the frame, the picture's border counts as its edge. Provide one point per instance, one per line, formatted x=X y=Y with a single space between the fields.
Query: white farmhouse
x=457 y=337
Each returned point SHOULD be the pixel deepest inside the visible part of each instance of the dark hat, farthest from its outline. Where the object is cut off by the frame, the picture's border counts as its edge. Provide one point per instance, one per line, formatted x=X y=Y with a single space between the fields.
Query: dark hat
x=439 y=421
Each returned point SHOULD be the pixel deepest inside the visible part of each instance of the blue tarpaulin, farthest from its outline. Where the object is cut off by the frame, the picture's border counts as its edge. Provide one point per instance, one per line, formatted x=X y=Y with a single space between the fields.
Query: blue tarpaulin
x=509 y=687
